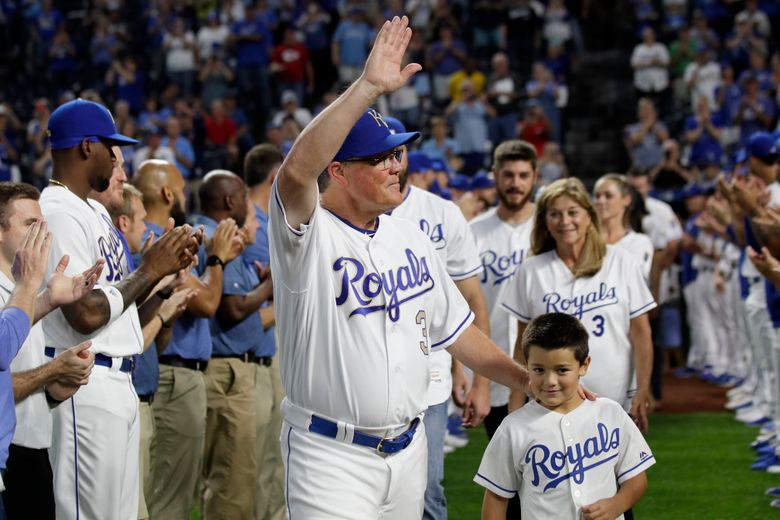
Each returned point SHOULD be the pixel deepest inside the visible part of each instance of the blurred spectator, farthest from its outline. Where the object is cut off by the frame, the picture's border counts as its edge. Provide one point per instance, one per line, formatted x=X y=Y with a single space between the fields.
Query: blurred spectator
x=9 y=146
x=152 y=115
x=521 y=32
x=702 y=33
x=468 y=72
x=644 y=138
x=469 y=121
x=443 y=16
x=741 y=42
x=755 y=112
x=291 y=129
x=548 y=94
x=253 y=43
x=291 y=108
x=646 y=14
x=221 y=138
x=128 y=82
x=650 y=61
x=702 y=77
x=121 y=113
x=350 y=44
x=406 y=103
x=62 y=59
x=153 y=149
x=558 y=62
x=558 y=29
x=36 y=128
x=757 y=19
x=215 y=78
x=446 y=56
x=273 y=134
x=180 y=56
x=238 y=115
x=485 y=22
x=758 y=69
x=291 y=66
x=180 y=145
x=674 y=18
x=775 y=76
x=102 y=48
x=419 y=12
x=212 y=37
x=552 y=165
x=670 y=173
x=728 y=96
x=504 y=90
x=440 y=145
x=702 y=132
x=47 y=22
x=682 y=52
x=535 y=127
x=314 y=23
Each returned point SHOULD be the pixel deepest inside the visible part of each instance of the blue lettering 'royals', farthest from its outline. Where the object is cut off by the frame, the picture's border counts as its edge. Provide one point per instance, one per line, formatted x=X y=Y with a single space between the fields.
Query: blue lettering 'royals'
x=579 y=304
x=435 y=233
x=502 y=267
x=550 y=464
x=400 y=285
x=112 y=250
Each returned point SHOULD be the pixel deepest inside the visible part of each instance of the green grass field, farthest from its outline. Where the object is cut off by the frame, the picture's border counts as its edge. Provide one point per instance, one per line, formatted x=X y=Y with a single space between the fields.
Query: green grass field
x=701 y=472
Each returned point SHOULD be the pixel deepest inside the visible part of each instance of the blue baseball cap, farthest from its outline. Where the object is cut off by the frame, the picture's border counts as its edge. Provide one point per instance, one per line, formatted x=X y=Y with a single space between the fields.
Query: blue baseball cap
x=761 y=145
x=482 y=180
x=459 y=182
x=692 y=190
x=76 y=120
x=371 y=135
x=419 y=162
x=439 y=166
x=396 y=126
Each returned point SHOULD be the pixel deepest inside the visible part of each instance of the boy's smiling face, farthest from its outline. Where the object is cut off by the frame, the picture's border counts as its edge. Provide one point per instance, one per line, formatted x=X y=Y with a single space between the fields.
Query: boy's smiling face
x=555 y=377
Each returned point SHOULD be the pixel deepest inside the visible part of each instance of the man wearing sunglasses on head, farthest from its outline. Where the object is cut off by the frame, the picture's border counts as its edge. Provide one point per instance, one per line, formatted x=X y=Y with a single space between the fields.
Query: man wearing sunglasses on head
x=362 y=300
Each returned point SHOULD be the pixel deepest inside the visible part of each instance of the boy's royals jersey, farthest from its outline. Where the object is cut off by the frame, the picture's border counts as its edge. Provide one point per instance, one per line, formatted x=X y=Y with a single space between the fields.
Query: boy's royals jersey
x=502 y=248
x=358 y=313
x=605 y=303
x=560 y=462
x=83 y=230
x=449 y=233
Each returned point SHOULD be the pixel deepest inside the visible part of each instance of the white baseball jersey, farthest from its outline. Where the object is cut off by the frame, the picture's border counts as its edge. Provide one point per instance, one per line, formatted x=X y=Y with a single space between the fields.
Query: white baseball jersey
x=605 y=303
x=639 y=245
x=561 y=462
x=84 y=231
x=450 y=235
x=502 y=248
x=757 y=293
x=33 y=418
x=662 y=226
x=358 y=313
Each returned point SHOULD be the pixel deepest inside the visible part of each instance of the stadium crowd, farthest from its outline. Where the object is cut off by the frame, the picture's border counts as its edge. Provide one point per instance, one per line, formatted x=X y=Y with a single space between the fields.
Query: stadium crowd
x=209 y=88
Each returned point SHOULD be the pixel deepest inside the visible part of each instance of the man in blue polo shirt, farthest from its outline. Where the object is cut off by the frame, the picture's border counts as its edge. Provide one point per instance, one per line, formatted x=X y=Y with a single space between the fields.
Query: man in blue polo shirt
x=230 y=377
x=253 y=44
x=260 y=167
x=180 y=403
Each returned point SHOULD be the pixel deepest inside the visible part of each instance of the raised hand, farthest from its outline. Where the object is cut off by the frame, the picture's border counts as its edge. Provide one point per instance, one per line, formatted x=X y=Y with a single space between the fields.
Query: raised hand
x=174 y=306
x=172 y=252
x=383 y=69
x=62 y=289
x=226 y=243
x=29 y=266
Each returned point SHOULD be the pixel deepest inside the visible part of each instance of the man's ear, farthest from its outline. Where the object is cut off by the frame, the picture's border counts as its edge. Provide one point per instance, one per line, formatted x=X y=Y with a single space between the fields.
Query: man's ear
x=85 y=148
x=167 y=195
x=337 y=172
x=123 y=224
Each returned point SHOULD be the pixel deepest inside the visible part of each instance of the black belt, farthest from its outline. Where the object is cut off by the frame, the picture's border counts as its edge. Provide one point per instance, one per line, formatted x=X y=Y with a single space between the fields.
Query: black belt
x=246 y=357
x=180 y=362
x=101 y=359
x=148 y=398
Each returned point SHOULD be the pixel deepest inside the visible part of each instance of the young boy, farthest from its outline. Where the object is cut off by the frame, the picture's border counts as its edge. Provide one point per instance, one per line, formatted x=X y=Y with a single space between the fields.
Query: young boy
x=565 y=456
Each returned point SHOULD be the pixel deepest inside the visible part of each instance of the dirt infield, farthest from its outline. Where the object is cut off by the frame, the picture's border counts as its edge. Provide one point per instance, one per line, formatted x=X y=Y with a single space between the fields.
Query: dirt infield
x=690 y=395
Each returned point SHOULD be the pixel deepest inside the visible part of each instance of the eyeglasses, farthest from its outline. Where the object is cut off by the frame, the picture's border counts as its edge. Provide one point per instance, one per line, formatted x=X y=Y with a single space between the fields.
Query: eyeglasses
x=383 y=161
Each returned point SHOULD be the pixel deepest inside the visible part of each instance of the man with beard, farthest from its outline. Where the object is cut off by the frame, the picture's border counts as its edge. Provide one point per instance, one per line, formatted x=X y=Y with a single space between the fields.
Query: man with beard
x=96 y=432
x=444 y=224
x=503 y=236
x=180 y=400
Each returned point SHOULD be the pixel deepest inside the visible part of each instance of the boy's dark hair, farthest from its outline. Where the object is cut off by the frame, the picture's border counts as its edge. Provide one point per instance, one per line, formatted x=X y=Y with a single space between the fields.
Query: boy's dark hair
x=557 y=330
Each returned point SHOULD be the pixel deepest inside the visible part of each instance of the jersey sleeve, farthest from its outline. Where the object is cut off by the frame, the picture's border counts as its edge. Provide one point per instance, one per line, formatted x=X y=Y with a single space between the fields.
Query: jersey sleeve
x=647 y=251
x=70 y=238
x=293 y=251
x=514 y=297
x=462 y=258
x=497 y=471
x=640 y=299
x=451 y=314
x=635 y=455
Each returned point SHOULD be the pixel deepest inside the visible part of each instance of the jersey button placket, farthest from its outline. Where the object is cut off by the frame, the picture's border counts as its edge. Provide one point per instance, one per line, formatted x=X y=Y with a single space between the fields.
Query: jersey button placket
x=567 y=432
x=392 y=350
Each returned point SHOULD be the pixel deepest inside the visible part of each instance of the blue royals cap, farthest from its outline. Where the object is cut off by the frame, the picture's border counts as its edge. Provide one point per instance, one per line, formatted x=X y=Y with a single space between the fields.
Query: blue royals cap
x=482 y=180
x=762 y=145
x=396 y=126
x=80 y=119
x=439 y=166
x=371 y=135
x=419 y=162
x=459 y=182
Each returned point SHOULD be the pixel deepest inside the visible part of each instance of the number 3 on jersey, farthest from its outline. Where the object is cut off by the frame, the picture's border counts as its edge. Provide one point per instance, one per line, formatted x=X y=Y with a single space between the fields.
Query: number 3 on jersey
x=599 y=322
x=420 y=320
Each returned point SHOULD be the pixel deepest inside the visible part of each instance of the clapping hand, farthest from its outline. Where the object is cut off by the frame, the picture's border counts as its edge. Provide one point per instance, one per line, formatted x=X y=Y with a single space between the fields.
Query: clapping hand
x=63 y=289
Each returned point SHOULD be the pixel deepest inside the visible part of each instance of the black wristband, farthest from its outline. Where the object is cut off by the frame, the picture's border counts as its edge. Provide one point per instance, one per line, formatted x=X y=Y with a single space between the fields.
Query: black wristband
x=215 y=260
x=164 y=295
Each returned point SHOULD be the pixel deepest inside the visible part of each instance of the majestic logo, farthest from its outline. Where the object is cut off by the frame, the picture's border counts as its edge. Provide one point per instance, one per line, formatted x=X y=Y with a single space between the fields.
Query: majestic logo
x=435 y=233
x=400 y=285
x=501 y=267
x=579 y=304
x=580 y=457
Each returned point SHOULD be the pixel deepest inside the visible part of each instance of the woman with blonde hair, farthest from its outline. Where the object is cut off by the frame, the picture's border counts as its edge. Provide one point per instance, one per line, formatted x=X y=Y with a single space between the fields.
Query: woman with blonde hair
x=620 y=210
x=574 y=271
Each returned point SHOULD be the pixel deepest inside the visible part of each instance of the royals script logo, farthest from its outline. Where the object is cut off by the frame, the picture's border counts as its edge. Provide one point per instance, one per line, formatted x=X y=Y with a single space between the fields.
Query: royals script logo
x=580 y=304
x=501 y=267
x=400 y=285
x=580 y=458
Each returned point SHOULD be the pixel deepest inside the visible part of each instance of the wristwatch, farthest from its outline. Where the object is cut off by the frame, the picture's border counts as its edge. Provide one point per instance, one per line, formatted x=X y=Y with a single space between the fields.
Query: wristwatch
x=215 y=260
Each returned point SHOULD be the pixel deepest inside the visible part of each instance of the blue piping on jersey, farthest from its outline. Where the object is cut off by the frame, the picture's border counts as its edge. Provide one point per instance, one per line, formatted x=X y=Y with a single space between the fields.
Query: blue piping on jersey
x=445 y=340
x=515 y=312
x=631 y=314
x=467 y=273
x=632 y=469
x=287 y=487
x=369 y=232
x=75 y=456
x=284 y=214
x=483 y=477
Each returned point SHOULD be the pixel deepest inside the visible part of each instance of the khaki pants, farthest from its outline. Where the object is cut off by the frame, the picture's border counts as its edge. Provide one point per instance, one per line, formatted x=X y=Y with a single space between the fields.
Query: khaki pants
x=229 y=465
x=147 y=434
x=269 y=503
x=177 y=450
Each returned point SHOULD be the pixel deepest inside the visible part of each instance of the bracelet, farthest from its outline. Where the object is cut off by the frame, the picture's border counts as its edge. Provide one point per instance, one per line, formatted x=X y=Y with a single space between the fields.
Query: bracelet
x=162 y=321
x=164 y=295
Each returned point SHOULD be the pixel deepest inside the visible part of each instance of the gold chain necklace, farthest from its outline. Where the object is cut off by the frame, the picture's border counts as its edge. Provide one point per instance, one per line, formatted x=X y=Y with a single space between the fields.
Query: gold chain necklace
x=58 y=183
